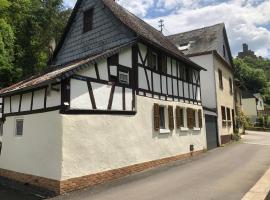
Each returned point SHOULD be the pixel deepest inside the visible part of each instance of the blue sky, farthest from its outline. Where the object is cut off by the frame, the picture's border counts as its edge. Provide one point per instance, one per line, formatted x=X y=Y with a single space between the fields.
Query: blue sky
x=246 y=20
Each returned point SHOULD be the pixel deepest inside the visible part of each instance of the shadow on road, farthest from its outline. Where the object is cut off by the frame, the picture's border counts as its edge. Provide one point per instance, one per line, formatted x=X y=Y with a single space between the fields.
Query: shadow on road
x=10 y=194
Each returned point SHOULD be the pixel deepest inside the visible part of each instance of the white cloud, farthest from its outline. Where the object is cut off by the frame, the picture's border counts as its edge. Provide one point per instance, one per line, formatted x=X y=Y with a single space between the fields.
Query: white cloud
x=69 y=3
x=244 y=19
x=138 y=7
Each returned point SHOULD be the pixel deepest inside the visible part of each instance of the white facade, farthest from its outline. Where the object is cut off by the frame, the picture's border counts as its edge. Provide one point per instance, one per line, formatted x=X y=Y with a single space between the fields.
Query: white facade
x=39 y=150
x=111 y=142
x=212 y=95
x=61 y=147
x=208 y=77
x=64 y=146
x=260 y=103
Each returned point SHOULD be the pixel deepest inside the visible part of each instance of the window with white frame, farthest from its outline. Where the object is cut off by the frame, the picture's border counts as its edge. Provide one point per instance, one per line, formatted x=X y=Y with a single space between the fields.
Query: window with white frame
x=19 y=127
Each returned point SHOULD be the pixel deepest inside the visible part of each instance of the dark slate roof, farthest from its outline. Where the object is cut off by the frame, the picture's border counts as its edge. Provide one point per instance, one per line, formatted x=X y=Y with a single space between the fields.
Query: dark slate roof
x=142 y=29
x=59 y=72
x=247 y=95
x=204 y=39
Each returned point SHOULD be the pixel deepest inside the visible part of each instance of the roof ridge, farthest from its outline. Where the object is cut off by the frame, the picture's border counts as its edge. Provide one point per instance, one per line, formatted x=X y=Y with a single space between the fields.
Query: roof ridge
x=202 y=28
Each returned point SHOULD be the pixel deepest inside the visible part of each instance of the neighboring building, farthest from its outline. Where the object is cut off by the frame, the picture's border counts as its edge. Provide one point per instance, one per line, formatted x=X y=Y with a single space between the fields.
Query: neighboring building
x=209 y=47
x=252 y=104
x=238 y=90
x=120 y=98
x=246 y=52
x=260 y=102
x=265 y=112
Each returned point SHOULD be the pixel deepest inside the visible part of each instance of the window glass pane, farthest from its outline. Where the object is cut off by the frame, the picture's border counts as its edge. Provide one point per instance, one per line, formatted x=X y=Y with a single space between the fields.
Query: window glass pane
x=154 y=60
x=220 y=79
x=88 y=20
x=113 y=60
x=19 y=127
x=123 y=77
x=228 y=114
x=1 y=128
x=223 y=111
x=162 y=117
x=164 y=64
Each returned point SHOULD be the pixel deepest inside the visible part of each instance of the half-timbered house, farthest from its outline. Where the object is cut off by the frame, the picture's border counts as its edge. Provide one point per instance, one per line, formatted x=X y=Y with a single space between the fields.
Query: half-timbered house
x=118 y=98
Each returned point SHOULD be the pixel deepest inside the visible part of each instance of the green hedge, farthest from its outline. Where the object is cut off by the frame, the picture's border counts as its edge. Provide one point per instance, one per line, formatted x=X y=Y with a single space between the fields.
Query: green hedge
x=258 y=129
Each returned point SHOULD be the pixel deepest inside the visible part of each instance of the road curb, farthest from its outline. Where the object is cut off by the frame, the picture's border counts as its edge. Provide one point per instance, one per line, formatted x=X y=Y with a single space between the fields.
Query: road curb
x=261 y=190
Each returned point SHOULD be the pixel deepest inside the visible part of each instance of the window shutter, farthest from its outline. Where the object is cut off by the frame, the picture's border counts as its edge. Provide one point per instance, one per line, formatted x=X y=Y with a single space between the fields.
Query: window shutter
x=156 y=117
x=190 y=118
x=200 y=118
x=171 y=120
x=179 y=117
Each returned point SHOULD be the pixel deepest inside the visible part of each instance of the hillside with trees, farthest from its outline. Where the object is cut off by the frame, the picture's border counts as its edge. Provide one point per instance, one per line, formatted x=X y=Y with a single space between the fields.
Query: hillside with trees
x=254 y=73
x=27 y=28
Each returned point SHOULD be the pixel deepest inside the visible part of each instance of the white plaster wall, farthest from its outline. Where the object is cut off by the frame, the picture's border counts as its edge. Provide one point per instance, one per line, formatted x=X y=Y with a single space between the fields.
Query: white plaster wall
x=89 y=72
x=26 y=102
x=15 y=103
x=102 y=95
x=143 y=50
x=95 y=143
x=117 y=99
x=129 y=96
x=156 y=81
x=54 y=98
x=79 y=95
x=224 y=97
x=38 y=100
x=7 y=105
x=174 y=69
x=103 y=70
x=142 y=78
x=169 y=85
x=125 y=57
x=38 y=151
x=208 y=86
x=249 y=107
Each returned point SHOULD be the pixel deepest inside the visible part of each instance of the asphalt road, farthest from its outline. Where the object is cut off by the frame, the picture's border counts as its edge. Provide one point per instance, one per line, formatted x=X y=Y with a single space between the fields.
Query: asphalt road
x=224 y=173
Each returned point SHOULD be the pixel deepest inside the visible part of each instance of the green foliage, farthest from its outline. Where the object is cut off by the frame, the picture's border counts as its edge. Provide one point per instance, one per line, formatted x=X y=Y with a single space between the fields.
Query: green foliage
x=255 y=74
x=27 y=28
x=267 y=121
x=242 y=120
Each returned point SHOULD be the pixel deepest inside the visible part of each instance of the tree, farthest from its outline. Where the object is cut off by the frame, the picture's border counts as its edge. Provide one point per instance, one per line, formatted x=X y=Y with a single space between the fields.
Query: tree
x=255 y=74
x=26 y=29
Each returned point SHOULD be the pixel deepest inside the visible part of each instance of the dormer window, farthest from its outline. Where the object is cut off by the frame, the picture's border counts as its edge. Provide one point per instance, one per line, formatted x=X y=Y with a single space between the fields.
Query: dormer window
x=183 y=47
x=88 y=20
